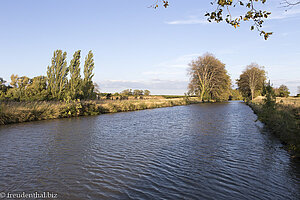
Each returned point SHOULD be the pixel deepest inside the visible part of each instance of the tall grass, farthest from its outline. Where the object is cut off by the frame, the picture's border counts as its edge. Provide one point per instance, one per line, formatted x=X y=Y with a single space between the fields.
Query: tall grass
x=292 y=101
x=15 y=112
x=283 y=121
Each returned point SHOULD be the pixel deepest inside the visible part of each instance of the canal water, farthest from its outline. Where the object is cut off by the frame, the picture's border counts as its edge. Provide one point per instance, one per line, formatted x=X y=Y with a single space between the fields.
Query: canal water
x=203 y=151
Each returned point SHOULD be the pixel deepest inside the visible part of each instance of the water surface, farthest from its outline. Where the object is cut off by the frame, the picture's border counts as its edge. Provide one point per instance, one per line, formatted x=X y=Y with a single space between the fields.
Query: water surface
x=204 y=151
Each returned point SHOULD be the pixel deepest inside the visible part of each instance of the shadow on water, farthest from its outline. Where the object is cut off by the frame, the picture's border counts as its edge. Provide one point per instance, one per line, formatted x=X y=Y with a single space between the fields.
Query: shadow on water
x=204 y=151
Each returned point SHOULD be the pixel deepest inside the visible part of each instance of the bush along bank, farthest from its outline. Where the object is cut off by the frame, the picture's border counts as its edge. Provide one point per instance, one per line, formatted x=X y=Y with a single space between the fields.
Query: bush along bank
x=282 y=120
x=16 y=112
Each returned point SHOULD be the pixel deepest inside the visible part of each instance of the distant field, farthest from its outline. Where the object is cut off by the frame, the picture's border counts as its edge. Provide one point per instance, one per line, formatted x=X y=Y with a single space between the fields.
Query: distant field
x=292 y=101
x=295 y=101
x=148 y=97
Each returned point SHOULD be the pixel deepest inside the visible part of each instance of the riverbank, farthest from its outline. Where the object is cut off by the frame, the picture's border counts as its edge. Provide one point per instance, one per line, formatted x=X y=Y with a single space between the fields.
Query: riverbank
x=283 y=121
x=17 y=112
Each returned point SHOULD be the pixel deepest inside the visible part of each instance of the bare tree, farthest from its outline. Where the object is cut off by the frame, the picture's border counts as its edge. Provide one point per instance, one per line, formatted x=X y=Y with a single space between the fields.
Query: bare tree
x=252 y=79
x=290 y=3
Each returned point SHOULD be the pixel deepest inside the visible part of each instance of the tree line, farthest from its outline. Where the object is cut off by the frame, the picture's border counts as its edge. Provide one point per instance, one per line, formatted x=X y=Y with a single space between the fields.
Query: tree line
x=136 y=92
x=209 y=80
x=126 y=93
x=63 y=81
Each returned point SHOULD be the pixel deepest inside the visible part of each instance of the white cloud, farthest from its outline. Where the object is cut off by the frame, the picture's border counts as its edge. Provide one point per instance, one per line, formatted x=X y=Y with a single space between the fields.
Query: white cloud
x=168 y=77
x=172 y=69
x=156 y=86
x=189 y=20
x=277 y=15
x=179 y=62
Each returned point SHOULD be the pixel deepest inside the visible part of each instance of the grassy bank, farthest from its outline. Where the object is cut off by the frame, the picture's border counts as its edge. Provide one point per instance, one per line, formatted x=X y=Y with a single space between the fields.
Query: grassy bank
x=291 y=101
x=283 y=121
x=16 y=112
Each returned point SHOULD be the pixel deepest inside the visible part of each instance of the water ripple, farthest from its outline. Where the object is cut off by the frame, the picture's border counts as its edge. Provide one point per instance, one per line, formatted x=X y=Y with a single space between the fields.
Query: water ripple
x=207 y=151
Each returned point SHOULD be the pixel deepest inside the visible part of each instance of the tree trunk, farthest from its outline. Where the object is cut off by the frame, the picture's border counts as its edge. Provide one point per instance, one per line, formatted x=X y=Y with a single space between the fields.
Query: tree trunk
x=201 y=95
x=252 y=94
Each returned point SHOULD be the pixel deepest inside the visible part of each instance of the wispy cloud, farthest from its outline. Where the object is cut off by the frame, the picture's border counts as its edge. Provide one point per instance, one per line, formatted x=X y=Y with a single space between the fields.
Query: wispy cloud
x=172 y=69
x=189 y=20
x=168 y=77
x=179 y=62
x=277 y=15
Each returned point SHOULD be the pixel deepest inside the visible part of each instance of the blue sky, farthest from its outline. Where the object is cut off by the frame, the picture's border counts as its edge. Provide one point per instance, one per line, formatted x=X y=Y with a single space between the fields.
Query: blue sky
x=142 y=48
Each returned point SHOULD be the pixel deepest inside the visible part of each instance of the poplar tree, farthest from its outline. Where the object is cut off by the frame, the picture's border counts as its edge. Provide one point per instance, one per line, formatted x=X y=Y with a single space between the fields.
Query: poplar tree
x=57 y=75
x=88 y=86
x=75 y=89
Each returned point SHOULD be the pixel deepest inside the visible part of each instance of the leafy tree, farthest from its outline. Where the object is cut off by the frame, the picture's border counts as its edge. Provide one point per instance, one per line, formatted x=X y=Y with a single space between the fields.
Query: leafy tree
x=283 y=91
x=26 y=89
x=251 y=80
x=37 y=89
x=235 y=94
x=2 y=81
x=108 y=95
x=57 y=75
x=75 y=82
x=157 y=2
x=146 y=92
x=54 y=86
x=208 y=77
x=138 y=92
x=127 y=92
x=270 y=100
x=88 y=86
x=14 y=80
x=12 y=92
x=223 y=12
x=19 y=87
x=251 y=13
x=221 y=90
x=3 y=88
